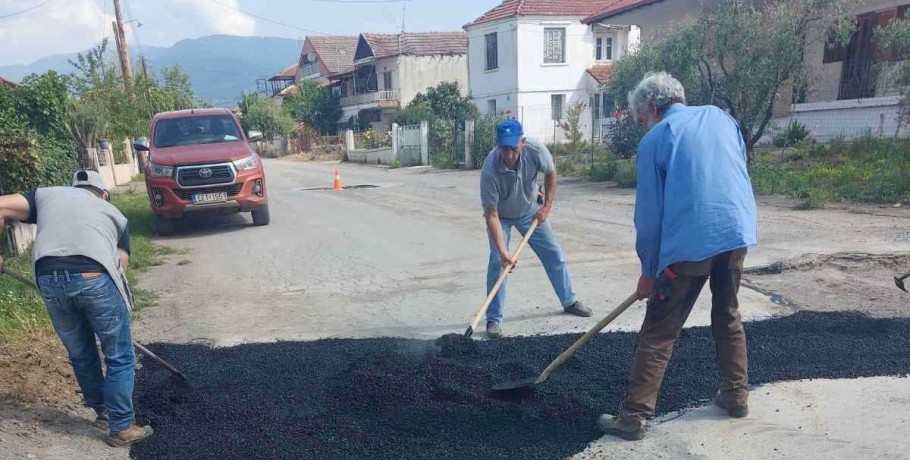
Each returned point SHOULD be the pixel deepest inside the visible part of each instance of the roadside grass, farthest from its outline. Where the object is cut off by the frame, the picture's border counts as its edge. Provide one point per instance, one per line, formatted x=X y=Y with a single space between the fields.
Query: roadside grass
x=606 y=166
x=868 y=169
x=22 y=310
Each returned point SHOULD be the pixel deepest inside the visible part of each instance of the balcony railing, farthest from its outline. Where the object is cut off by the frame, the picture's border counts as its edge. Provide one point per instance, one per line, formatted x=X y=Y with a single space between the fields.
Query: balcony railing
x=382 y=98
x=309 y=70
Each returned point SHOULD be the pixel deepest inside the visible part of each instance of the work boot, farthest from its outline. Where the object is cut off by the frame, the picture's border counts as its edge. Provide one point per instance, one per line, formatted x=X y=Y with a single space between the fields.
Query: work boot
x=733 y=410
x=578 y=309
x=128 y=436
x=101 y=420
x=494 y=330
x=614 y=426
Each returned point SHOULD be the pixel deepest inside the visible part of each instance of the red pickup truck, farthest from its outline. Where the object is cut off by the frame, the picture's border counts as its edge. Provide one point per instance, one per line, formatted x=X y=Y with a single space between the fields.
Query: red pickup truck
x=200 y=160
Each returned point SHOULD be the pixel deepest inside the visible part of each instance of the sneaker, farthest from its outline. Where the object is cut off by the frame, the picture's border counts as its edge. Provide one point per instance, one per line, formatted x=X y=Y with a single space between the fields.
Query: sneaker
x=494 y=330
x=733 y=410
x=128 y=436
x=101 y=420
x=578 y=309
x=613 y=426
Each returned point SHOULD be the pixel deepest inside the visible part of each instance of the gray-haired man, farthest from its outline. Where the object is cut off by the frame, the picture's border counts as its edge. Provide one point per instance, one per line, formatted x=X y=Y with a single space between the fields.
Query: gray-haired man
x=695 y=216
x=80 y=254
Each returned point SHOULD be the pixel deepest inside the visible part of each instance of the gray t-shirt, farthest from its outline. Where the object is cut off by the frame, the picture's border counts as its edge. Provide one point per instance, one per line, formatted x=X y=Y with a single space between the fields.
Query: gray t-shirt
x=514 y=193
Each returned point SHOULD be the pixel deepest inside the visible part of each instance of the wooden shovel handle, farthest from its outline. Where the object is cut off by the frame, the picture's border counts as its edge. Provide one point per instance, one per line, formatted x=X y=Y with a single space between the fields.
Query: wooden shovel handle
x=561 y=359
x=502 y=276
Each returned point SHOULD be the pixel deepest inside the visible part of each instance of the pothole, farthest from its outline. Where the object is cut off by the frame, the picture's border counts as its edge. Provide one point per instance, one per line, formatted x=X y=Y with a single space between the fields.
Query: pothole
x=346 y=187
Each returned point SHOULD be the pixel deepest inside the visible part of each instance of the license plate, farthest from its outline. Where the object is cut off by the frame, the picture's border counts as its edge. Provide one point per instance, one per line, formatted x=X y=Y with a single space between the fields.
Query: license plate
x=209 y=197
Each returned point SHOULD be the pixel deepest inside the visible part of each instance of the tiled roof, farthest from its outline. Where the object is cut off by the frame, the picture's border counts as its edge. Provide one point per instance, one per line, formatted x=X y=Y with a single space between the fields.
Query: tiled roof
x=336 y=51
x=617 y=7
x=8 y=83
x=288 y=73
x=512 y=8
x=602 y=73
x=417 y=44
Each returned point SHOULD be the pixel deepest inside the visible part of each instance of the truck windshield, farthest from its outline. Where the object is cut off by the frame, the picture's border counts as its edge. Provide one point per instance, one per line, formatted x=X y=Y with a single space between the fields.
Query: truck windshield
x=210 y=129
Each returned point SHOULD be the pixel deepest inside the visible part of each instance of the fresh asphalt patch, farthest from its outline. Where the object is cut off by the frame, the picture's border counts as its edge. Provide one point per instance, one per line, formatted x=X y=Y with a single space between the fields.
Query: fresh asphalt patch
x=411 y=399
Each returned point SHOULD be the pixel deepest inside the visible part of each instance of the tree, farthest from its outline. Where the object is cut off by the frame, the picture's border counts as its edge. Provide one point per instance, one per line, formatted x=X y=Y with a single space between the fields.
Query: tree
x=572 y=126
x=739 y=54
x=315 y=106
x=83 y=123
x=894 y=38
x=265 y=115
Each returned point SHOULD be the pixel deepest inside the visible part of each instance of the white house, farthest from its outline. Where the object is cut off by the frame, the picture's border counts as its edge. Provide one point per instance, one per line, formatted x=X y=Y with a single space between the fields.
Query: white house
x=534 y=59
x=853 y=88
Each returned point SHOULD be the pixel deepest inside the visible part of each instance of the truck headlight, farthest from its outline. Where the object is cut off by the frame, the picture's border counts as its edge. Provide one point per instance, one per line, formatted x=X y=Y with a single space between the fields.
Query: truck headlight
x=161 y=171
x=249 y=162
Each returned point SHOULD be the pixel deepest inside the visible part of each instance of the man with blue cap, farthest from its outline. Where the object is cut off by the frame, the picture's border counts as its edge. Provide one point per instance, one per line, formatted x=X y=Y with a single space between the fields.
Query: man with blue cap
x=509 y=194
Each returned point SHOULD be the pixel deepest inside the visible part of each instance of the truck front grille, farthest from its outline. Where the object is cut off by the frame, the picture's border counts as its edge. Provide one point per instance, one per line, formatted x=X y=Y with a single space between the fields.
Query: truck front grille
x=194 y=176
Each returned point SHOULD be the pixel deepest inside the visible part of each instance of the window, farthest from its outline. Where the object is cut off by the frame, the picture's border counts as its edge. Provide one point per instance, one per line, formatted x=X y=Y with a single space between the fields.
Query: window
x=557 y=102
x=604 y=48
x=387 y=81
x=491 y=105
x=209 y=129
x=492 y=44
x=554 y=45
x=603 y=105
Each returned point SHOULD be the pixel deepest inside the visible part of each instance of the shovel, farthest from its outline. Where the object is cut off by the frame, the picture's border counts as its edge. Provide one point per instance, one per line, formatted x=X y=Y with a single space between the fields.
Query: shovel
x=141 y=348
x=502 y=278
x=899 y=281
x=525 y=384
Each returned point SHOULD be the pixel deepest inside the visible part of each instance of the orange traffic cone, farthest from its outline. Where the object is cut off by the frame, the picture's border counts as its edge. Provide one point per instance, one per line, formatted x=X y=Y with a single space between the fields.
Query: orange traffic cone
x=337 y=184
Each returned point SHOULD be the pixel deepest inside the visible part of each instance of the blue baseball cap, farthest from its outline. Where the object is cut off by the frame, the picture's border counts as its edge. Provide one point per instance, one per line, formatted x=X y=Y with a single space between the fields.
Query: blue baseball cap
x=509 y=133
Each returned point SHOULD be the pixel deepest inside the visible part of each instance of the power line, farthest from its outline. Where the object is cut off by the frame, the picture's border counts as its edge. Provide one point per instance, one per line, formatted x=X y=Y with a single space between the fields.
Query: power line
x=26 y=10
x=269 y=20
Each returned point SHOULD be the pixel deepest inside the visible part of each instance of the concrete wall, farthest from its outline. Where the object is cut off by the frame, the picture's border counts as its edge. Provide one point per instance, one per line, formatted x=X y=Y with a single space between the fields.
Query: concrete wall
x=19 y=237
x=417 y=73
x=384 y=156
x=850 y=119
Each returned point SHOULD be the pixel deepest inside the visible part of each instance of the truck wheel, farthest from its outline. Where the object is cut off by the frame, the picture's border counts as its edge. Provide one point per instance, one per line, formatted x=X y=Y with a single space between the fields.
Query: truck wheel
x=165 y=227
x=261 y=215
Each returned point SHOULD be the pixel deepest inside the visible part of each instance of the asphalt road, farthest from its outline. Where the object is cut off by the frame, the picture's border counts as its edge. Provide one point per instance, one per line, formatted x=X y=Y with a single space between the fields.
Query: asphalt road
x=408 y=259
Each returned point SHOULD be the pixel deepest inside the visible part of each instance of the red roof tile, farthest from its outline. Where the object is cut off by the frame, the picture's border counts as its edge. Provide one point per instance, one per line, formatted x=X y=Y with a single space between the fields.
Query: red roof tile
x=335 y=51
x=287 y=74
x=602 y=73
x=8 y=83
x=417 y=44
x=513 y=8
x=618 y=7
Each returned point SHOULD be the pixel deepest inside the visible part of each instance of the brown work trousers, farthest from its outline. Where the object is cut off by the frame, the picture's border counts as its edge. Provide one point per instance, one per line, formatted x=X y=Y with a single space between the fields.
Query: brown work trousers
x=669 y=306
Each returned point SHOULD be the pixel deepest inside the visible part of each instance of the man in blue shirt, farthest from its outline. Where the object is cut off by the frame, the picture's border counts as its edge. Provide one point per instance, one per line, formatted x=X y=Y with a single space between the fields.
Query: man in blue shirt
x=509 y=196
x=695 y=217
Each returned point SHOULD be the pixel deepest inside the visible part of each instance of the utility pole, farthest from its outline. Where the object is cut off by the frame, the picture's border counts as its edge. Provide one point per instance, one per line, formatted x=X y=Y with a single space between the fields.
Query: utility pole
x=122 y=51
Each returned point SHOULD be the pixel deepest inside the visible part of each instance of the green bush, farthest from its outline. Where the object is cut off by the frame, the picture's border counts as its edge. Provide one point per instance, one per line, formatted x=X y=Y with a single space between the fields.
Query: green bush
x=793 y=134
x=626 y=175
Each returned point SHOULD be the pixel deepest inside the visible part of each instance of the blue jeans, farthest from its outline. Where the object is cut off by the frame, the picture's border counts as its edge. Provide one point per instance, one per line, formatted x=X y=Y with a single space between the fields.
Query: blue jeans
x=544 y=244
x=81 y=309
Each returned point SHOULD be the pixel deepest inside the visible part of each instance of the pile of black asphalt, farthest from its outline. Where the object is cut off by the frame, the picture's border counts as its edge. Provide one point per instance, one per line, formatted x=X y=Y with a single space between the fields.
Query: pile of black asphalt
x=393 y=398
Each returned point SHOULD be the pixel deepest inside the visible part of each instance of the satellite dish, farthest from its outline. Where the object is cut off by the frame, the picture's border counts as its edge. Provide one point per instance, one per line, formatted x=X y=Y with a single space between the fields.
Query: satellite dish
x=311 y=57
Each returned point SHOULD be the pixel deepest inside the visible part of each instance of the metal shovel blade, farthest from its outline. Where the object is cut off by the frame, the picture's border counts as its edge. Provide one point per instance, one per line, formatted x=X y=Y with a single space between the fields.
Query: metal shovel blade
x=515 y=385
x=899 y=282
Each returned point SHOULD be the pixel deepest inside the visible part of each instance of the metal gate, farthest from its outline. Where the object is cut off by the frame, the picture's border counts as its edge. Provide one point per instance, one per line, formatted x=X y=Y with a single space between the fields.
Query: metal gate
x=409 y=145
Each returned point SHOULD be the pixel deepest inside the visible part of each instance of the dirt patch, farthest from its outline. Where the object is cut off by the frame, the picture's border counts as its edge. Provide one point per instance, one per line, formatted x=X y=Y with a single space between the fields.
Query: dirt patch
x=35 y=370
x=839 y=282
x=312 y=156
x=398 y=398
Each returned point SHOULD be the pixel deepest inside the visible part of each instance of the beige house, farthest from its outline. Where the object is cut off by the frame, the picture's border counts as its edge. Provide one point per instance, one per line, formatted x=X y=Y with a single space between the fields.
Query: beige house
x=390 y=69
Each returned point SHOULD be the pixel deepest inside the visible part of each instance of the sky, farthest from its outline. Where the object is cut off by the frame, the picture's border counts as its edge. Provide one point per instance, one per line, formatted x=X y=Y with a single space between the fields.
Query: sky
x=32 y=29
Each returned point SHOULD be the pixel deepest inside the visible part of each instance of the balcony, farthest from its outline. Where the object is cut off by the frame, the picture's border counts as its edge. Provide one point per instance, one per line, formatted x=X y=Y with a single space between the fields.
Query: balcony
x=309 y=70
x=382 y=99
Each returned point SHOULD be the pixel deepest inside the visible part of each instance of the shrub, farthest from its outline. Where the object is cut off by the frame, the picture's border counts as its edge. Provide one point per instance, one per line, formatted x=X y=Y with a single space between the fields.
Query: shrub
x=793 y=134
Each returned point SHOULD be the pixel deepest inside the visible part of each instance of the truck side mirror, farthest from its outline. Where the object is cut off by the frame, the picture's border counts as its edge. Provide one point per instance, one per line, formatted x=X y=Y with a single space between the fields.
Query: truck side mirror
x=141 y=144
x=254 y=136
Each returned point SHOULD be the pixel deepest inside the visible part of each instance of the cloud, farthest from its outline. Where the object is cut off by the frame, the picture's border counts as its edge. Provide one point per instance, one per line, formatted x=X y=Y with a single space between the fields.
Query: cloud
x=59 y=27
x=221 y=15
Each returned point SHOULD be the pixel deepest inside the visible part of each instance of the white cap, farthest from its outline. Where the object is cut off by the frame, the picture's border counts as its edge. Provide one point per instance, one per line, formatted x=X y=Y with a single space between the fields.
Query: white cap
x=89 y=178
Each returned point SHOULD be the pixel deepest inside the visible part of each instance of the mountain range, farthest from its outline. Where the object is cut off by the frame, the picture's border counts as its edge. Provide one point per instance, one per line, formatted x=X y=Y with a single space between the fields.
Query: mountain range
x=220 y=67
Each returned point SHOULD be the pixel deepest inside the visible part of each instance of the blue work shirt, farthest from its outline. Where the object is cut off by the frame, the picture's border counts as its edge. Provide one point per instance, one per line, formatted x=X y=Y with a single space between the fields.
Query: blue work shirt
x=694 y=198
